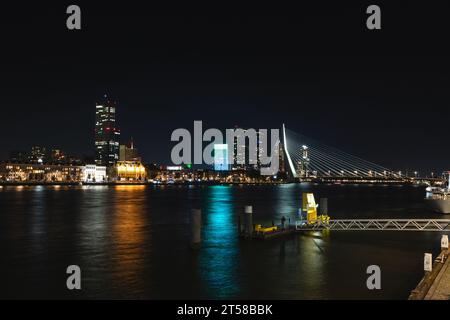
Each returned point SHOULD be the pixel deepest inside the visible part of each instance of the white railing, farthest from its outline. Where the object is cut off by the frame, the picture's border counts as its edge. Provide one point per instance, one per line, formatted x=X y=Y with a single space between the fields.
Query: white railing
x=376 y=225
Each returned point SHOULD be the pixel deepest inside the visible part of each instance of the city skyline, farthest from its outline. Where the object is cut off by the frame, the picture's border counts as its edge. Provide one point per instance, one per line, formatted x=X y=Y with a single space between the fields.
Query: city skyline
x=91 y=153
x=256 y=71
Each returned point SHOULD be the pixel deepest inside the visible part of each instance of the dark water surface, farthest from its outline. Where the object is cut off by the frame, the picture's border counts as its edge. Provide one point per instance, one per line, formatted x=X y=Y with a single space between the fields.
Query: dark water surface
x=132 y=242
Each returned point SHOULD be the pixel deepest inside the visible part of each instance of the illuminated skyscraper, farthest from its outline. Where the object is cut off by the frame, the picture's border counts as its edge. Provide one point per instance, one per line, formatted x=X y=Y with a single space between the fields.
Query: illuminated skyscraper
x=221 y=162
x=242 y=150
x=303 y=164
x=106 y=133
x=38 y=154
x=281 y=158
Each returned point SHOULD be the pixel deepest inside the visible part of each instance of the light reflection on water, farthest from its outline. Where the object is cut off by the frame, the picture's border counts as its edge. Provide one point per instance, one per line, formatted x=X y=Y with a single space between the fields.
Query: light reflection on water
x=128 y=235
x=220 y=253
x=39 y=219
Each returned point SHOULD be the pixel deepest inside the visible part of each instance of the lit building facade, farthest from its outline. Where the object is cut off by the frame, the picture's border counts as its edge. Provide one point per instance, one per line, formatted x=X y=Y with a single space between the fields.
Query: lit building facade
x=13 y=172
x=106 y=134
x=130 y=171
x=94 y=174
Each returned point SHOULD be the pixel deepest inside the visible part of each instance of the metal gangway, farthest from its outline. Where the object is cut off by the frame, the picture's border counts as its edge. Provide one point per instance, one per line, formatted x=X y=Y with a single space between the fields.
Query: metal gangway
x=439 y=225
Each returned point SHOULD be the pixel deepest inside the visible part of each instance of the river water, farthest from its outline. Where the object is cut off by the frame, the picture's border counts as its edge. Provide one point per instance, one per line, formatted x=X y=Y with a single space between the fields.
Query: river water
x=133 y=242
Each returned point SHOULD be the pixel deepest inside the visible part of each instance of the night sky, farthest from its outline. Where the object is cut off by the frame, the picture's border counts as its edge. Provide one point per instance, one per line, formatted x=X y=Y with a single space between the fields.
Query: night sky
x=381 y=95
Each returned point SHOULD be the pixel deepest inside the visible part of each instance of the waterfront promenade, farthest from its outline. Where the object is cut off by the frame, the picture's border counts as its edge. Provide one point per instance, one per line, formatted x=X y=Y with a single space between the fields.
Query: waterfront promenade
x=440 y=289
x=435 y=285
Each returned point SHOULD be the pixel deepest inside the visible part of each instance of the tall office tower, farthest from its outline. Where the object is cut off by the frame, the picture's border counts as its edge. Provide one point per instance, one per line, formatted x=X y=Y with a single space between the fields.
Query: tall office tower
x=241 y=149
x=281 y=158
x=221 y=157
x=238 y=153
x=106 y=133
x=260 y=147
x=304 y=162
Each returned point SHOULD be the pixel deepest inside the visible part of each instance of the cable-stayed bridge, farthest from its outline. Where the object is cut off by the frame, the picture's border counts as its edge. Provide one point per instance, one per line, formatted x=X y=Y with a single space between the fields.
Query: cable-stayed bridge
x=307 y=158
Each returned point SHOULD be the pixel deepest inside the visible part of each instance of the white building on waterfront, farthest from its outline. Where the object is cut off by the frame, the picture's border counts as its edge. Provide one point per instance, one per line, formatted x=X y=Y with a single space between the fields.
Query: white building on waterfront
x=93 y=173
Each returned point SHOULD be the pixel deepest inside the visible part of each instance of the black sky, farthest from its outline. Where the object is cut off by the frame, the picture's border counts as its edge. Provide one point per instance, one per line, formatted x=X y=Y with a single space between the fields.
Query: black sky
x=381 y=95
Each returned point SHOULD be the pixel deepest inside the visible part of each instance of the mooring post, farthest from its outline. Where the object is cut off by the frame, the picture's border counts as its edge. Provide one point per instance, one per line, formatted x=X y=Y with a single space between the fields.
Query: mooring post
x=323 y=206
x=196 y=227
x=428 y=263
x=444 y=248
x=248 y=220
x=444 y=242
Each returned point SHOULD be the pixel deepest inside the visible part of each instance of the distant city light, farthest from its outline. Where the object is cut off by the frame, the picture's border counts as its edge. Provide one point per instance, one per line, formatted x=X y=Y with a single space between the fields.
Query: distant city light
x=174 y=168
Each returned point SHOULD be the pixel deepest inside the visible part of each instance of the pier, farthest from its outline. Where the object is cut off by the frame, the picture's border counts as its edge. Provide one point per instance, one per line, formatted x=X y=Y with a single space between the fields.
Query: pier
x=312 y=219
x=424 y=225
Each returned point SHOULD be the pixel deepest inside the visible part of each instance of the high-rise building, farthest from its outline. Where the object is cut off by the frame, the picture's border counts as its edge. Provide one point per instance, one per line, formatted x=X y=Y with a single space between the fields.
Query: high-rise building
x=38 y=154
x=251 y=157
x=221 y=162
x=281 y=158
x=129 y=152
x=303 y=164
x=239 y=152
x=260 y=147
x=106 y=133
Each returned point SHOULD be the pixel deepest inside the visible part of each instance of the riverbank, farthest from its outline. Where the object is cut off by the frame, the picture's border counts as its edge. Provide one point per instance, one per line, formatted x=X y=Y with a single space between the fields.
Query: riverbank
x=435 y=285
x=201 y=183
x=121 y=183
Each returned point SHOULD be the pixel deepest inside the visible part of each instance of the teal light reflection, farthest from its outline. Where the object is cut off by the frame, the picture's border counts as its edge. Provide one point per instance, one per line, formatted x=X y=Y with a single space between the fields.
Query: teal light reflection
x=220 y=252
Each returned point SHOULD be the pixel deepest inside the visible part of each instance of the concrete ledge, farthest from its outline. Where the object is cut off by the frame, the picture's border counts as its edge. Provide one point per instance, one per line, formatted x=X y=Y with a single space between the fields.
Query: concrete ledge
x=435 y=283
